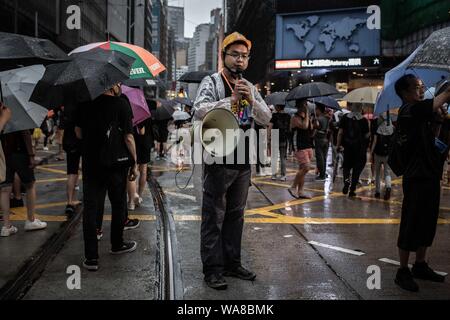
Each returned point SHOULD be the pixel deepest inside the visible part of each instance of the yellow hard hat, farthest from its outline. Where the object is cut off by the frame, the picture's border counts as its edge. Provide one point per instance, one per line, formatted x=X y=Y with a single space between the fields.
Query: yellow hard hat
x=236 y=37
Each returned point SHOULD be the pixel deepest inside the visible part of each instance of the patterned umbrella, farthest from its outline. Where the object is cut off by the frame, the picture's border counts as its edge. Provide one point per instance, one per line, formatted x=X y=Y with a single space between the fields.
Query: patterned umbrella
x=146 y=65
x=434 y=53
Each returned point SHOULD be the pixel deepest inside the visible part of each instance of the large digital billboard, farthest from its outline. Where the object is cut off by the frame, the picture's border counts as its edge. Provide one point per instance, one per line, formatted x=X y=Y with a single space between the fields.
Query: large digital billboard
x=332 y=36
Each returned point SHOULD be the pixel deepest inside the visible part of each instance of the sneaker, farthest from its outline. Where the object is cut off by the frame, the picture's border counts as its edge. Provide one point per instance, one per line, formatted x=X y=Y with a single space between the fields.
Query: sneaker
x=352 y=194
x=99 y=234
x=45 y=149
x=267 y=171
x=320 y=179
x=241 y=273
x=91 y=265
x=346 y=187
x=283 y=178
x=387 y=195
x=35 y=225
x=16 y=203
x=377 y=195
x=70 y=209
x=421 y=270
x=131 y=224
x=404 y=280
x=127 y=246
x=158 y=158
x=77 y=188
x=6 y=232
x=216 y=281
x=138 y=201
x=274 y=177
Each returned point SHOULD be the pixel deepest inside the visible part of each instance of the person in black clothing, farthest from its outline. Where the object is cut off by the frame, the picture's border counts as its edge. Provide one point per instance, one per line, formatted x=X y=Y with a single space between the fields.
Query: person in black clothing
x=321 y=142
x=20 y=159
x=353 y=138
x=71 y=145
x=92 y=124
x=280 y=121
x=143 y=136
x=421 y=180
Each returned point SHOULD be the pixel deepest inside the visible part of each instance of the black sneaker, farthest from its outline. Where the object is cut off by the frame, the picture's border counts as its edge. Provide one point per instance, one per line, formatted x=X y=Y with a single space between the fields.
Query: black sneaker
x=377 y=195
x=70 y=210
x=91 y=265
x=216 y=281
x=346 y=187
x=421 y=270
x=352 y=194
x=16 y=203
x=404 y=280
x=131 y=224
x=127 y=246
x=241 y=273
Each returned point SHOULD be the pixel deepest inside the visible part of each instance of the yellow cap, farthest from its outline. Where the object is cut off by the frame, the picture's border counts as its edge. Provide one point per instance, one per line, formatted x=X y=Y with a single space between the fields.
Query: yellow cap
x=236 y=37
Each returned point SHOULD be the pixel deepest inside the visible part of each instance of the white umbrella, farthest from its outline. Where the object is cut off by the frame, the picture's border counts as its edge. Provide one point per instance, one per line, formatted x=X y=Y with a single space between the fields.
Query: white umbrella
x=17 y=86
x=363 y=95
x=181 y=116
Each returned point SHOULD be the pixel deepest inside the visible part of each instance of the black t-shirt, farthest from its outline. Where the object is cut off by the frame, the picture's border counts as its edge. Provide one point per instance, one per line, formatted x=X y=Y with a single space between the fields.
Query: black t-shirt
x=94 y=118
x=355 y=132
x=144 y=141
x=416 y=120
x=281 y=121
x=304 y=139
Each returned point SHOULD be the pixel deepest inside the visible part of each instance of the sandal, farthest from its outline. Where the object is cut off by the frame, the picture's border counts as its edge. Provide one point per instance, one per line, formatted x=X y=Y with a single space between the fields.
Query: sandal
x=292 y=194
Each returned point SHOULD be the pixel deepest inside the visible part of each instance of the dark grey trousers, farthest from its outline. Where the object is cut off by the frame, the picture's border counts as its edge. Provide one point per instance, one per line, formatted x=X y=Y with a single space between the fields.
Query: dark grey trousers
x=225 y=194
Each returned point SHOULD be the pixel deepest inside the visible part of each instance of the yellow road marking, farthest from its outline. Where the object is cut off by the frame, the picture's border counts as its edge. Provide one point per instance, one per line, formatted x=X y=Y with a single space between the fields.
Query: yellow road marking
x=51 y=170
x=51 y=180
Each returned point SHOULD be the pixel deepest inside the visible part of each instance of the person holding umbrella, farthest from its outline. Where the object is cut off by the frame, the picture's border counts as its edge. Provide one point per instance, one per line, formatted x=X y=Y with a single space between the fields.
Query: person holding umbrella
x=421 y=179
x=94 y=120
x=301 y=122
x=353 y=140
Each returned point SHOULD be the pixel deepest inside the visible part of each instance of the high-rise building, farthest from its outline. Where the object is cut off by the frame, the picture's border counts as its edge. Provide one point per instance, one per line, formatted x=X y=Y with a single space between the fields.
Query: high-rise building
x=148 y=25
x=197 y=47
x=175 y=19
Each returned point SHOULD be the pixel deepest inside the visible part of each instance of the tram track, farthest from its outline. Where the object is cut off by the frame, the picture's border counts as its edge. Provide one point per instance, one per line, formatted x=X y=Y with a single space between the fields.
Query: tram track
x=168 y=267
x=303 y=236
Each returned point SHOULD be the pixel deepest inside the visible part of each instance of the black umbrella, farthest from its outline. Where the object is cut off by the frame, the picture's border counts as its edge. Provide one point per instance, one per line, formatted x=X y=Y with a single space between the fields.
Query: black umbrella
x=163 y=112
x=141 y=82
x=276 y=98
x=19 y=50
x=311 y=90
x=185 y=101
x=327 y=102
x=434 y=53
x=84 y=78
x=195 y=76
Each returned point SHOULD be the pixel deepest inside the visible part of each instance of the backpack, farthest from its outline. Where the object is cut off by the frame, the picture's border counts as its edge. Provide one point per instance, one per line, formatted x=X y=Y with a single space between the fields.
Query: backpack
x=399 y=153
x=383 y=145
x=114 y=152
x=352 y=136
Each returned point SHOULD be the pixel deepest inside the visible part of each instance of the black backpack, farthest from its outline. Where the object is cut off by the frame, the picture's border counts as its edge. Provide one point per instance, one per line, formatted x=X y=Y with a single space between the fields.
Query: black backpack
x=383 y=145
x=114 y=152
x=399 y=151
x=352 y=135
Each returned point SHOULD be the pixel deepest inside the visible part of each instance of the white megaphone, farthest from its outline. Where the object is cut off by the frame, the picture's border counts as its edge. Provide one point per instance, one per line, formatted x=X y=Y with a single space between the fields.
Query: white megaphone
x=218 y=132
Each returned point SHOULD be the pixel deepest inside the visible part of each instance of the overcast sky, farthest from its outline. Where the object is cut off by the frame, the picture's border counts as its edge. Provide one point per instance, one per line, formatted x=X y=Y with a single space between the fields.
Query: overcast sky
x=196 y=12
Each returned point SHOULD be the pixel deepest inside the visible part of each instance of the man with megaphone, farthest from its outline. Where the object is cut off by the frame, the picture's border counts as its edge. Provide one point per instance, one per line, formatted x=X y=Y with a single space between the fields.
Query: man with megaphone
x=225 y=185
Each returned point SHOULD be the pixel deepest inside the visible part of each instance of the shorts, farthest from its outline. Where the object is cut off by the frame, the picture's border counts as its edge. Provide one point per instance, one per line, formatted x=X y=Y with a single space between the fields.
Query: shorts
x=73 y=162
x=304 y=157
x=20 y=164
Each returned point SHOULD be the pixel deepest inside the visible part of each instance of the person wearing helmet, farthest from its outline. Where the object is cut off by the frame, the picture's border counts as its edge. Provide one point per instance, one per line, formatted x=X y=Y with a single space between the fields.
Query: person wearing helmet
x=225 y=185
